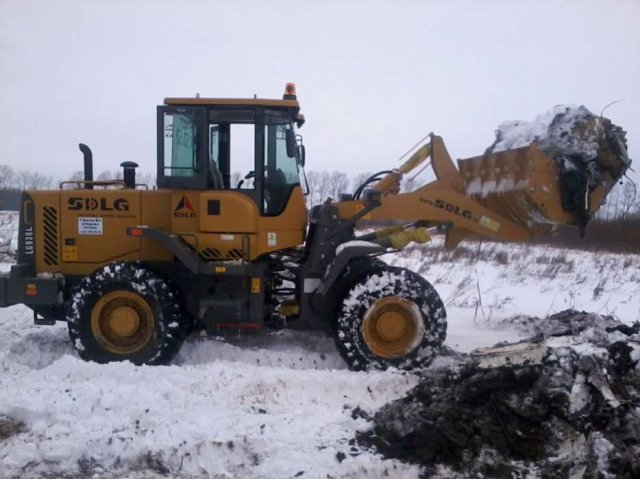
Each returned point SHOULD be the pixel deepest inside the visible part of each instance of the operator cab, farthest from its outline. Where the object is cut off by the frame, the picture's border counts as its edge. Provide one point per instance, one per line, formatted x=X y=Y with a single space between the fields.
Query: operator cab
x=244 y=145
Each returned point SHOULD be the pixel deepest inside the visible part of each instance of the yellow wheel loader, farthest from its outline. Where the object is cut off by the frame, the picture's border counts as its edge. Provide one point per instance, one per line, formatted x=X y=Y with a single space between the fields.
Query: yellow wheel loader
x=133 y=270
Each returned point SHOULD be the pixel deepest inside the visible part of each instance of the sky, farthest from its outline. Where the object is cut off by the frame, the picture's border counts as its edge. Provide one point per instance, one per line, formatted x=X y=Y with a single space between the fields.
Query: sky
x=372 y=77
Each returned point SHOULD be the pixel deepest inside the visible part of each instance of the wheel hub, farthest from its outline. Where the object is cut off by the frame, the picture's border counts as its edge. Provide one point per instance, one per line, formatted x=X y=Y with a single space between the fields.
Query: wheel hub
x=122 y=322
x=392 y=327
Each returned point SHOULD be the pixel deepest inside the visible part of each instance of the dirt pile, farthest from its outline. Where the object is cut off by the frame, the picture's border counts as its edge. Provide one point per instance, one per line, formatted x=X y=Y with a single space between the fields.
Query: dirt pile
x=590 y=150
x=564 y=404
x=576 y=138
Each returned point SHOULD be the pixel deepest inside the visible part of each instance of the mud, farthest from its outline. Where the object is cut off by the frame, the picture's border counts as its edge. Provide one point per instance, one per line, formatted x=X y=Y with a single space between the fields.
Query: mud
x=10 y=427
x=574 y=412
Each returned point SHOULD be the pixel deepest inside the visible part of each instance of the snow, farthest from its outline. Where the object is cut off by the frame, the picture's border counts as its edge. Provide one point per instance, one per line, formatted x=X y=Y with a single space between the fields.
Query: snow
x=520 y=133
x=484 y=285
x=281 y=404
x=356 y=243
x=478 y=187
x=227 y=411
x=574 y=137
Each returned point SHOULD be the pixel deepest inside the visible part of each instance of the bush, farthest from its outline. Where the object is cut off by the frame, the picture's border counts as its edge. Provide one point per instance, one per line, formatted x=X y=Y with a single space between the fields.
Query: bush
x=621 y=236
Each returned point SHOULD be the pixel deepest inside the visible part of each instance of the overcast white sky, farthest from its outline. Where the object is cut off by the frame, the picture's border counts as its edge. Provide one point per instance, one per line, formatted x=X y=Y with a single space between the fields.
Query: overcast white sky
x=372 y=77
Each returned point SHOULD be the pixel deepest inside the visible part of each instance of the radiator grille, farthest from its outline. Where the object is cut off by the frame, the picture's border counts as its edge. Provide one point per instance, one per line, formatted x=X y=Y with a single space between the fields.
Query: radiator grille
x=50 y=226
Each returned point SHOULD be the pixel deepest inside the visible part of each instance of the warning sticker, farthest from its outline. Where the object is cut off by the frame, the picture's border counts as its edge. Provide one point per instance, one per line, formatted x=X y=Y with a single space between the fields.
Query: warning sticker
x=490 y=223
x=90 y=225
x=69 y=253
x=272 y=240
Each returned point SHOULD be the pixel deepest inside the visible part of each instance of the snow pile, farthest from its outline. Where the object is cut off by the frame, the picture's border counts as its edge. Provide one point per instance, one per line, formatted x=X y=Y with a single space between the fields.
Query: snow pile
x=573 y=136
x=570 y=407
x=8 y=235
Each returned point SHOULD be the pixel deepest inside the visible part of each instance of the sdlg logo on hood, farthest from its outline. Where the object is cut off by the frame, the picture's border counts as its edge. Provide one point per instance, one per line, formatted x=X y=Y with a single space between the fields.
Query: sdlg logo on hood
x=184 y=209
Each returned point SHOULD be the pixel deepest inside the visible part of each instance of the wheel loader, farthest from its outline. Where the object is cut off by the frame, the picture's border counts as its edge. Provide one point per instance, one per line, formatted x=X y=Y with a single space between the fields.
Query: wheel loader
x=133 y=269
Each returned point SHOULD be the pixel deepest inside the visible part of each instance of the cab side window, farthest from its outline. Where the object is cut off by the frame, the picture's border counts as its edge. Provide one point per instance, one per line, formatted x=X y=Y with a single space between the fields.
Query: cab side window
x=179 y=145
x=280 y=170
x=215 y=179
x=242 y=155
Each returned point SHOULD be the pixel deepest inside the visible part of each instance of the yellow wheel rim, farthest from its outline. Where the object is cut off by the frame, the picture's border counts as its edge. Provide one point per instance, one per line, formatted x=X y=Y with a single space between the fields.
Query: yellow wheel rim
x=392 y=327
x=122 y=322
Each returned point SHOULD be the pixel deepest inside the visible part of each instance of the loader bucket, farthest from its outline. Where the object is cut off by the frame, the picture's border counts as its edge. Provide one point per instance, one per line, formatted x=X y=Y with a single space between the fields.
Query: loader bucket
x=561 y=178
x=525 y=185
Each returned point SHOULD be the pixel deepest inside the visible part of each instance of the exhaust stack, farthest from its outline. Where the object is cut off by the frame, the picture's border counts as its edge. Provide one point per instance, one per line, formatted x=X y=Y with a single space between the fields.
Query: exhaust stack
x=129 y=173
x=88 y=165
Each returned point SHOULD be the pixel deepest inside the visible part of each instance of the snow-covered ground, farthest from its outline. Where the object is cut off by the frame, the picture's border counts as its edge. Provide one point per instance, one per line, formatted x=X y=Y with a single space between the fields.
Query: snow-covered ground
x=277 y=405
x=483 y=285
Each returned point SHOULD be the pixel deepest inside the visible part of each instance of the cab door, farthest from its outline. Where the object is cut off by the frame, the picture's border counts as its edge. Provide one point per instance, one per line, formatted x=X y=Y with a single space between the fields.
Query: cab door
x=182 y=149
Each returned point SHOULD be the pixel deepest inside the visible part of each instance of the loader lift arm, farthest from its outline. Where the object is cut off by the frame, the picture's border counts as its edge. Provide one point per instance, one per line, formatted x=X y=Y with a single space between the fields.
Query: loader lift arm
x=513 y=195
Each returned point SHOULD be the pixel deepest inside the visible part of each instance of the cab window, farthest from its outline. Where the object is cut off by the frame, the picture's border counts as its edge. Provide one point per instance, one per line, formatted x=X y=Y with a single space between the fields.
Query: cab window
x=242 y=155
x=280 y=170
x=179 y=145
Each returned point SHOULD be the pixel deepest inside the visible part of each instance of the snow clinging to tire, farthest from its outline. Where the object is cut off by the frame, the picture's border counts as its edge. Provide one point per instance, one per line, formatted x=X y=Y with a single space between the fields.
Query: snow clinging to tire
x=390 y=318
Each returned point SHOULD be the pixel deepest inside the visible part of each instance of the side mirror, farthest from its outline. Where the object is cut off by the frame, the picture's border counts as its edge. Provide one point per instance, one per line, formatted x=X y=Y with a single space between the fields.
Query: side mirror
x=301 y=155
x=291 y=143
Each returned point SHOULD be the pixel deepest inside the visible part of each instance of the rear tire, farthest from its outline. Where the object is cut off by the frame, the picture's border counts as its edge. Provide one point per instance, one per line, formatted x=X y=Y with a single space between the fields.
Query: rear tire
x=124 y=311
x=390 y=318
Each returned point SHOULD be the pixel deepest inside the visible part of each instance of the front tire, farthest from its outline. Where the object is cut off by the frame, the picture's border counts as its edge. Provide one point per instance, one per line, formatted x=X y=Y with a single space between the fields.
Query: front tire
x=124 y=311
x=390 y=318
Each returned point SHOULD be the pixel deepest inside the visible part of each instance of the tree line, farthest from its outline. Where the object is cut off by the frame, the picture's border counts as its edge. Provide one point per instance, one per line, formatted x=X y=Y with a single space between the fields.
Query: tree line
x=15 y=179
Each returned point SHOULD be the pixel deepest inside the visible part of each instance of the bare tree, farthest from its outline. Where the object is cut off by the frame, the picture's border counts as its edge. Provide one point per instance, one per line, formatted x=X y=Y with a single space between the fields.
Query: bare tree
x=313 y=179
x=323 y=188
x=6 y=177
x=104 y=176
x=39 y=181
x=75 y=176
x=621 y=203
x=360 y=179
x=146 y=178
x=628 y=199
x=28 y=180
x=235 y=179
x=338 y=184
x=20 y=179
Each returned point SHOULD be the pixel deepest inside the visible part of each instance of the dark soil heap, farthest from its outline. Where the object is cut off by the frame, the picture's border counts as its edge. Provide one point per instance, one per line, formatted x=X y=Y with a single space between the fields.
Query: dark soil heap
x=574 y=413
x=577 y=140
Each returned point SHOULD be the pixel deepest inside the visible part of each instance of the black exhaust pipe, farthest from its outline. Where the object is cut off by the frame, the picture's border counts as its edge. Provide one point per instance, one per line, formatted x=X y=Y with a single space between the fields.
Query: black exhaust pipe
x=88 y=165
x=129 y=173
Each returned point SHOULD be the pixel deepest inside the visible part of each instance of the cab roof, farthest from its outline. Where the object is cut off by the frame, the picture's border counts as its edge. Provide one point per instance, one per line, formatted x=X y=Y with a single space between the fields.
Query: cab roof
x=251 y=102
x=289 y=104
